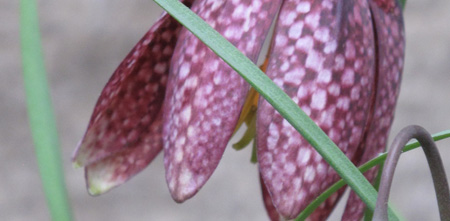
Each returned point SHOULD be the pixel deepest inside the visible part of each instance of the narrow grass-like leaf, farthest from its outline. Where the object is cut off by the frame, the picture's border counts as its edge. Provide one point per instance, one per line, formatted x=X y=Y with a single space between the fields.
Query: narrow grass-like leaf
x=40 y=113
x=277 y=98
x=365 y=167
x=368 y=214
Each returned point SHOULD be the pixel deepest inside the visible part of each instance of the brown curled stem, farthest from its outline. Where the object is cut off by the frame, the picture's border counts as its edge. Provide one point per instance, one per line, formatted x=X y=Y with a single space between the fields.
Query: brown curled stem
x=434 y=162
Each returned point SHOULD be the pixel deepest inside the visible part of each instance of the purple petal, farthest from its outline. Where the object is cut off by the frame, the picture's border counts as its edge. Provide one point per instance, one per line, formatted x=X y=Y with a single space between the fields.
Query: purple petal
x=270 y=208
x=204 y=95
x=119 y=167
x=323 y=58
x=388 y=22
x=132 y=98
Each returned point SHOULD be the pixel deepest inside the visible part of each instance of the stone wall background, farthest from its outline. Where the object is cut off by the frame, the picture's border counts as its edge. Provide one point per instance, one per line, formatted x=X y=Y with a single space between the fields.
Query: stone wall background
x=85 y=40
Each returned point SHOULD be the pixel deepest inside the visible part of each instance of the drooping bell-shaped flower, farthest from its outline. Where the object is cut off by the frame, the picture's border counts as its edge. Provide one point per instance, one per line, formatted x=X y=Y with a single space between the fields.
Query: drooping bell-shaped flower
x=339 y=60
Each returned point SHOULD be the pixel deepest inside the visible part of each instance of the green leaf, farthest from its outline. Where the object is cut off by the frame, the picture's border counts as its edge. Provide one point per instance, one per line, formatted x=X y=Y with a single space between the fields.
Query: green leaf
x=276 y=97
x=42 y=122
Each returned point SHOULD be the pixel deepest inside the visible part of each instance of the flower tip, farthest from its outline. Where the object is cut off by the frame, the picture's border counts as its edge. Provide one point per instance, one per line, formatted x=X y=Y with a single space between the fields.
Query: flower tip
x=94 y=191
x=79 y=161
x=181 y=191
x=182 y=195
x=76 y=165
x=98 y=186
x=78 y=157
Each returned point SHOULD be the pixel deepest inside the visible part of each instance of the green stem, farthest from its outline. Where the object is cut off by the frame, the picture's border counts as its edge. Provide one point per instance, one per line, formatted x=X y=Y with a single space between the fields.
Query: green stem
x=403 y=4
x=365 y=167
x=42 y=122
x=368 y=214
x=277 y=98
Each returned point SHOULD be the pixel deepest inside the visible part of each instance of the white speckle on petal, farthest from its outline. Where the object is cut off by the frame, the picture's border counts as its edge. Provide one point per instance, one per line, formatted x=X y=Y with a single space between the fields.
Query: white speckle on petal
x=191 y=82
x=216 y=121
x=294 y=76
x=303 y=7
x=319 y=99
x=339 y=62
x=334 y=89
x=217 y=79
x=191 y=131
x=310 y=174
x=349 y=49
x=343 y=103
x=312 y=20
x=322 y=34
x=186 y=114
x=296 y=30
x=302 y=92
x=160 y=68
x=284 y=66
x=274 y=135
x=289 y=168
x=184 y=70
x=314 y=61
x=348 y=77
x=324 y=76
x=330 y=47
x=288 y=18
x=178 y=155
x=305 y=44
x=303 y=156
x=185 y=181
x=280 y=40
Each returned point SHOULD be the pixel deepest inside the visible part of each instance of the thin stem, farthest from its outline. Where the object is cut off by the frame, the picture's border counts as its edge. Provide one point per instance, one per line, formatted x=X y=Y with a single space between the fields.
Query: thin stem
x=434 y=162
x=42 y=122
x=365 y=167
x=368 y=214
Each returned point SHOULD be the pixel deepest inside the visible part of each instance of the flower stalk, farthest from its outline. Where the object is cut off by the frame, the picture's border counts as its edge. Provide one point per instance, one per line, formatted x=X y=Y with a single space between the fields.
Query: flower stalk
x=379 y=160
x=434 y=161
x=40 y=113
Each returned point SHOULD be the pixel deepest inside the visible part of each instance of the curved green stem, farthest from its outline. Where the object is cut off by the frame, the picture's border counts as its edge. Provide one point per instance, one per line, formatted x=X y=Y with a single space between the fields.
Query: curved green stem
x=365 y=167
x=434 y=162
x=42 y=122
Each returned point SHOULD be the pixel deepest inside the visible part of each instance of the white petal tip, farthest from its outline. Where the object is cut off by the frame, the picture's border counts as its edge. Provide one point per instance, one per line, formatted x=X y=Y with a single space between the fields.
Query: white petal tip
x=97 y=187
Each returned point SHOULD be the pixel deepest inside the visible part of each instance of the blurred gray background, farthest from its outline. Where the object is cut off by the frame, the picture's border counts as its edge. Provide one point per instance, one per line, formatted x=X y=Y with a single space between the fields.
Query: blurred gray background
x=85 y=40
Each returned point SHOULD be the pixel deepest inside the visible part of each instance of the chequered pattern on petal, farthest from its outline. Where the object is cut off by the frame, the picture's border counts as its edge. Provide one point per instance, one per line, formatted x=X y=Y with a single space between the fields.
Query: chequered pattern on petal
x=390 y=49
x=204 y=95
x=133 y=96
x=119 y=167
x=323 y=58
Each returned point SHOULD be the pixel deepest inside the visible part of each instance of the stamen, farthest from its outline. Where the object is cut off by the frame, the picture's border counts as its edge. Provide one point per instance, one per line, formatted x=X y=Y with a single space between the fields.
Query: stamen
x=248 y=115
x=250 y=102
x=249 y=134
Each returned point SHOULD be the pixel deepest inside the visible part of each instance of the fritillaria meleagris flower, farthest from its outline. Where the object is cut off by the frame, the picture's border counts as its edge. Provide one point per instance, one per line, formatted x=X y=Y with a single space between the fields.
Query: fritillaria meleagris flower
x=339 y=60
